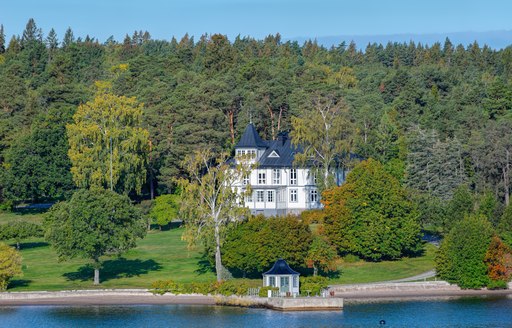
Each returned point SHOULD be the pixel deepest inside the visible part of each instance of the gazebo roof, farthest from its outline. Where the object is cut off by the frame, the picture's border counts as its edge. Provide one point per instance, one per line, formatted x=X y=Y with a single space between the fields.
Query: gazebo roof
x=280 y=268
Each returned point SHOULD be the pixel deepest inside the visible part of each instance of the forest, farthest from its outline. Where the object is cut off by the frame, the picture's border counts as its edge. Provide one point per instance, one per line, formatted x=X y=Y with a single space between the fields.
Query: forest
x=438 y=117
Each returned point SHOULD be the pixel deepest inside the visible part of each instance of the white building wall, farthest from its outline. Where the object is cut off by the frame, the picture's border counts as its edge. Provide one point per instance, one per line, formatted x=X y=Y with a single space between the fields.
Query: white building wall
x=280 y=204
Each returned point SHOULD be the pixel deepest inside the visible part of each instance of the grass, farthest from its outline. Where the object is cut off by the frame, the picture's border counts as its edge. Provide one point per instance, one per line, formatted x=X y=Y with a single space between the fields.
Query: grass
x=163 y=255
x=365 y=272
x=21 y=216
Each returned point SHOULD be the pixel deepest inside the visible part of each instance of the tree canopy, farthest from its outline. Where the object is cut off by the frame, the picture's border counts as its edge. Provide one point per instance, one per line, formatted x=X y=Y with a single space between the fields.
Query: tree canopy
x=371 y=216
x=108 y=148
x=93 y=224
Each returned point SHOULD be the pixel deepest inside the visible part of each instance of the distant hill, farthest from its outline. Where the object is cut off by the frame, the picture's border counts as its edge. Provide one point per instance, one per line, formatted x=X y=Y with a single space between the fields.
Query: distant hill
x=494 y=39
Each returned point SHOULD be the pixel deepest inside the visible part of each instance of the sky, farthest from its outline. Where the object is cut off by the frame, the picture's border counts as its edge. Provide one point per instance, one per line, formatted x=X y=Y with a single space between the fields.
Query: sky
x=256 y=18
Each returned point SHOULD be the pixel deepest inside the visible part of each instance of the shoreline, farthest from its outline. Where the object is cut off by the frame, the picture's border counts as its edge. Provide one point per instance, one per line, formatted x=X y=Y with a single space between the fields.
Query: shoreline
x=100 y=297
x=143 y=297
x=419 y=295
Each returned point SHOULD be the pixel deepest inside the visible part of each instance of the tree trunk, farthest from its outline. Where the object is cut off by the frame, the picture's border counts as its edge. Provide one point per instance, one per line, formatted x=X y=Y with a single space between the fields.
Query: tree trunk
x=506 y=179
x=231 y=115
x=96 y=276
x=96 y=272
x=218 y=258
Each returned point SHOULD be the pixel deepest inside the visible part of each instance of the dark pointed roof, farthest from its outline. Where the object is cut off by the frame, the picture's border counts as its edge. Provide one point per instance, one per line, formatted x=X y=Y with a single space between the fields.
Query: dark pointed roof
x=280 y=267
x=251 y=139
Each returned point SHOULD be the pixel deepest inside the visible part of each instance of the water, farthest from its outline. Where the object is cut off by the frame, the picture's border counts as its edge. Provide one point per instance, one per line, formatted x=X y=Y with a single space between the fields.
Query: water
x=467 y=312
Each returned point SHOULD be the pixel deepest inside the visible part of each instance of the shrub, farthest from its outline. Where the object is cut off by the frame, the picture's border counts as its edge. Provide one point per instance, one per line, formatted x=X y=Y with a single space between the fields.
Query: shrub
x=10 y=265
x=351 y=258
x=264 y=290
x=313 y=284
x=497 y=284
x=166 y=286
x=312 y=216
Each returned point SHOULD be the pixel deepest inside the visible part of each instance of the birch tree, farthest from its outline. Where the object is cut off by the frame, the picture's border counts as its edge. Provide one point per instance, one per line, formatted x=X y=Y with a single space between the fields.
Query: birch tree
x=108 y=148
x=325 y=132
x=210 y=199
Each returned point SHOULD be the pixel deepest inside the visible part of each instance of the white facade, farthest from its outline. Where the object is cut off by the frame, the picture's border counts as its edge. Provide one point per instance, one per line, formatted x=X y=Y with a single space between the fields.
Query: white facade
x=278 y=186
x=280 y=191
x=288 y=284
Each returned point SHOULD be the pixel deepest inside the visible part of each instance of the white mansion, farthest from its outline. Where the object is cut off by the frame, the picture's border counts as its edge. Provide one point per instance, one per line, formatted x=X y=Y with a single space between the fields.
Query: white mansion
x=278 y=186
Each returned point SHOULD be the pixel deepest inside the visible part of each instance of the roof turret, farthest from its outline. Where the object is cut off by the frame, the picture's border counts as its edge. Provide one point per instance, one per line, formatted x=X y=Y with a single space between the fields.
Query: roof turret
x=251 y=139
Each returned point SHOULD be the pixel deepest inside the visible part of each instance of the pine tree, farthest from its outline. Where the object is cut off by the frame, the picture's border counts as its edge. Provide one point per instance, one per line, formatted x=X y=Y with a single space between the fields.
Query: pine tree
x=68 y=38
x=51 y=40
x=31 y=33
x=2 y=39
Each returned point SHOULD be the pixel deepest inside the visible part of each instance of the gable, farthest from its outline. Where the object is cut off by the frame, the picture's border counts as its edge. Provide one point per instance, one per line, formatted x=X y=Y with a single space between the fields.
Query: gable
x=274 y=154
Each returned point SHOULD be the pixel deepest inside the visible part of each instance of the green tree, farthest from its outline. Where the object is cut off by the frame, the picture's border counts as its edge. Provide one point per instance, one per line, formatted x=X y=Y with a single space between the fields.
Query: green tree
x=321 y=255
x=36 y=165
x=505 y=226
x=371 y=216
x=210 y=201
x=19 y=230
x=460 y=258
x=93 y=224
x=2 y=39
x=254 y=245
x=108 y=148
x=69 y=38
x=10 y=265
x=325 y=132
x=165 y=209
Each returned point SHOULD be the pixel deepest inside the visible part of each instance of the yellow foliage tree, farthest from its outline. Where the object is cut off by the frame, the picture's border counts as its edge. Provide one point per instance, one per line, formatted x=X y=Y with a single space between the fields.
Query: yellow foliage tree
x=108 y=147
x=10 y=265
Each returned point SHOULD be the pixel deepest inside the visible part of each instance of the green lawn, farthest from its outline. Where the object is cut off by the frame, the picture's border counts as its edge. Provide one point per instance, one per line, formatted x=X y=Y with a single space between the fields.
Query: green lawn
x=363 y=272
x=22 y=216
x=163 y=255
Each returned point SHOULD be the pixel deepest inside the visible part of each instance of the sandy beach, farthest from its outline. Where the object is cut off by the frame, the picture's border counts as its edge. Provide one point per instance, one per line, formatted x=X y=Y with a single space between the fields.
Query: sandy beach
x=113 y=297
x=110 y=297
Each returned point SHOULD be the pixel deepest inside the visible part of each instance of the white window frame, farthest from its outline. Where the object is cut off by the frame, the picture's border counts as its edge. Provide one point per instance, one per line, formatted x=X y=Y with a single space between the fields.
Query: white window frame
x=272 y=281
x=294 y=196
x=262 y=178
x=260 y=196
x=293 y=177
x=270 y=196
x=248 y=198
x=276 y=176
x=246 y=180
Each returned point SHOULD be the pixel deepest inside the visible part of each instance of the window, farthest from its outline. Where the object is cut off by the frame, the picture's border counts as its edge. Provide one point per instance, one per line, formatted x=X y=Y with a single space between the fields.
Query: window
x=295 y=281
x=276 y=176
x=293 y=195
x=260 y=196
x=252 y=152
x=246 y=180
x=272 y=281
x=248 y=198
x=262 y=178
x=313 y=196
x=293 y=176
x=270 y=196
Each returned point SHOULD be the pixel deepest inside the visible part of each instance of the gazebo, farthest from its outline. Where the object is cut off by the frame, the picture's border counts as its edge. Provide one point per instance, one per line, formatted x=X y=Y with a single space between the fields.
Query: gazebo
x=283 y=277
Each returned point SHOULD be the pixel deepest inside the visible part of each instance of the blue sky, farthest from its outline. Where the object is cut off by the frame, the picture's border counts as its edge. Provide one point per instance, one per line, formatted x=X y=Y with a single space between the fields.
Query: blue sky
x=256 y=18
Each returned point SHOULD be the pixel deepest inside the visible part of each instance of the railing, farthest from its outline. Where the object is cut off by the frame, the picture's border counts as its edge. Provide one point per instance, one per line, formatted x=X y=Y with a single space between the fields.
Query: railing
x=253 y=292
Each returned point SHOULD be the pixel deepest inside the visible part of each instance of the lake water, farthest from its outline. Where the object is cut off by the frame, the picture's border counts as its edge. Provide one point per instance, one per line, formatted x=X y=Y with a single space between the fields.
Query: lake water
x=466 y=312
